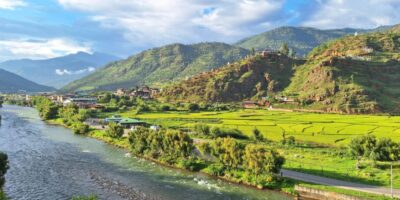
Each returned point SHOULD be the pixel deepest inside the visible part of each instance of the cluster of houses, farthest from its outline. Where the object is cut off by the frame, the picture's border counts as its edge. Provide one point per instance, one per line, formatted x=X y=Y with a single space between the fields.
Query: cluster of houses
x=144 y=92
x=266 y=103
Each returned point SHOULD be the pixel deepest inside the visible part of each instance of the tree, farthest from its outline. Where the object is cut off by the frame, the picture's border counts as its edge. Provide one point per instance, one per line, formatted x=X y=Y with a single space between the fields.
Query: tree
x=259 y=160
x=253 y=51
x=193 y=107
x=292 y=53
x=115 y=130
x=202 y=129
x=80 y=128
x=3 y=168
x=257 y=135
x=362 y=146
x=284 y=49
x=228 y=151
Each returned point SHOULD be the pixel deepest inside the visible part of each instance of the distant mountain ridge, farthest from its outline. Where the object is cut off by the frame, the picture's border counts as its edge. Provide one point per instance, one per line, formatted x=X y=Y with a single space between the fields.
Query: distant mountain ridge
x=159 y=66
x=59 y=71
x=11 y=83
x=301 y=39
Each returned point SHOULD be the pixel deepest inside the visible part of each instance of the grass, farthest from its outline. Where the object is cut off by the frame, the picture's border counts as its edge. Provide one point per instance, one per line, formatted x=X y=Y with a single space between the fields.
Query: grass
x=327 y=129
x=322 y=138
x=363 y=195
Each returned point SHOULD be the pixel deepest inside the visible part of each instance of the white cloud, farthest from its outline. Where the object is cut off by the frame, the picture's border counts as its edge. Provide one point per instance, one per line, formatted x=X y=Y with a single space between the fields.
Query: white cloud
x=63 y=72
x=164 y=21
x=41 y=49
x=11 y=4
x=355 y=13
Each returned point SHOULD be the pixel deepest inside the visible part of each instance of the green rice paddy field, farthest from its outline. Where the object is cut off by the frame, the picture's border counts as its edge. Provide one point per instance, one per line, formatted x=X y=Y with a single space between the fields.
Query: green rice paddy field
x=329 y=129
x=323 y=138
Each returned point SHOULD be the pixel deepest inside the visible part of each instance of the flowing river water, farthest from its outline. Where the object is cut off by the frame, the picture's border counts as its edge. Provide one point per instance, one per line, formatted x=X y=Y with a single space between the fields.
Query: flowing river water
x=50 y=162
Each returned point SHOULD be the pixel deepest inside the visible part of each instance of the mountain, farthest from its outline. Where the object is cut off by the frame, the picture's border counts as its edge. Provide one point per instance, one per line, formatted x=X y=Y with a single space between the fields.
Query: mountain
x=159 y=66
x=58 y=71
x=353 y=74
x=253 y=77
x=10 y=83
x=301 y=39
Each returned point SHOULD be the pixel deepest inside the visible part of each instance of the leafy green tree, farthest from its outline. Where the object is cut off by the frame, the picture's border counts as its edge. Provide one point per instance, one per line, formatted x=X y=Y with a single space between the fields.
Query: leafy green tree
x=115 y=130
x=257 y=135
x=3 y=168
x=386 y=150
x=192 y=107
x=80 y=128
x=284 y=49
x=202 y=129
x=228 y=151
x=292 y=53
x=259 y=160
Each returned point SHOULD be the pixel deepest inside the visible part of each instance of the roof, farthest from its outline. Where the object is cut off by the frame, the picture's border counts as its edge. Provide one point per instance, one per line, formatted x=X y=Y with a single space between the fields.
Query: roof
x=130 y=121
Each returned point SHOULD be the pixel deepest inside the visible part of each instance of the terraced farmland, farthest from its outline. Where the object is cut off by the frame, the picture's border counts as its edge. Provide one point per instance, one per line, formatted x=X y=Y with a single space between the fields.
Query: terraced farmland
x=331 y=129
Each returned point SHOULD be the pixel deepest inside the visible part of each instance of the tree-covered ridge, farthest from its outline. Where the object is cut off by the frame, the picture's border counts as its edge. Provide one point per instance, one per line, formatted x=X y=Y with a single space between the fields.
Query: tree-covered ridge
x=355 y=74
x=160 y=65
x=301 y=39
x=254 y=77
x=11 y=83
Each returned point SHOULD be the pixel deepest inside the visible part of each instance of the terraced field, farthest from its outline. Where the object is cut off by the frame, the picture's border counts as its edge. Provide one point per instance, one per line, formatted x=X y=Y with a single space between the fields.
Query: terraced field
x=330 y=129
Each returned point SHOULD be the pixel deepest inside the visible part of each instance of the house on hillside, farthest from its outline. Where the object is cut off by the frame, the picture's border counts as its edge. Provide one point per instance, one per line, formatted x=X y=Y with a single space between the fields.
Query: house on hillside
x=114 y=119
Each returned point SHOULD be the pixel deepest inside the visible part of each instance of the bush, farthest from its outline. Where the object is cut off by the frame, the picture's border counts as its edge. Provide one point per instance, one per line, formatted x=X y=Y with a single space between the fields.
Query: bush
x=257 y=136
x=3 y=169
x=191 y=163
x=115 y=130
x=90 y=197
x=80 y=128
x=193 y=107
x=291 y=140
x=202 y=129
x=165 y=108
x=216 y=169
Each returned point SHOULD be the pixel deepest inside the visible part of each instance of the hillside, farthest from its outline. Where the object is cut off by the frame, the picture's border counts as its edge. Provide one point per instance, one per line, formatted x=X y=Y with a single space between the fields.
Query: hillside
x=355 y=74
x=301 y=39
x=59 y=71
x=160 y=65
x=10 y=83
x=251 y=78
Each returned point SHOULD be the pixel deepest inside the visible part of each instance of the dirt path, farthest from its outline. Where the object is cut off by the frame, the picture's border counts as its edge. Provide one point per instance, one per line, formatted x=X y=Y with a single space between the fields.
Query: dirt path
x=340 y=184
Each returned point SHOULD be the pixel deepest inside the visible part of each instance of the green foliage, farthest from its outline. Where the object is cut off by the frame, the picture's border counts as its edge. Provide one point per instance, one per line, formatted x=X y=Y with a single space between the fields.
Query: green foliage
x=228 y=151
x=369 y=147
x=202 y=129
x=227 y=132
x=160 y=65
x=216 y=169
x=284 y=49
x=259 y=160
x=3 y=168
x=257 y=136
x=192 y=107
x=80 y=128
x=115 y=130
x=47 y=109
x=90 y=197
x=164 y=145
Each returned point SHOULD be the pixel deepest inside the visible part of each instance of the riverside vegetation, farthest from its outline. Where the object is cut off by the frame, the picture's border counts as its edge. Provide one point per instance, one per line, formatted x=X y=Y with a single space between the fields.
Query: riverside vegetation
x=221 y=141
x=3 y=170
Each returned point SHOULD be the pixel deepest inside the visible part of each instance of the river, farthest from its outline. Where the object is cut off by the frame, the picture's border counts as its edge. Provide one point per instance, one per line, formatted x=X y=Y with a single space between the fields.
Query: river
x=50 y=162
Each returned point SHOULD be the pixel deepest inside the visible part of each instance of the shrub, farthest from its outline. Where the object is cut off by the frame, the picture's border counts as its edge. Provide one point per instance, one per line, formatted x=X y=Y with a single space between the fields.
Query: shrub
x=193 y=107
x=216 y=169
x=80 y=128
x=3 y=168
x=165 y=108
x=257 y=135
x=202 y=129
x=90 y=197
x=115 y=130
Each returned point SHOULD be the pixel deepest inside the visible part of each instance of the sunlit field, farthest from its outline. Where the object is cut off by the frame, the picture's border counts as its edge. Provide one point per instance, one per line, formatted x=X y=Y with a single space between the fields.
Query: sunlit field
x=329 y=129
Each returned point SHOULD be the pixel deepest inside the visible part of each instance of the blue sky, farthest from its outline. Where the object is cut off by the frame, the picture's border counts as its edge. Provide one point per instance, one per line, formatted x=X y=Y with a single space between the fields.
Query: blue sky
x=41 y=29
